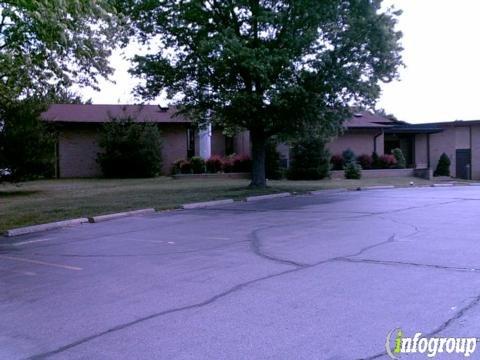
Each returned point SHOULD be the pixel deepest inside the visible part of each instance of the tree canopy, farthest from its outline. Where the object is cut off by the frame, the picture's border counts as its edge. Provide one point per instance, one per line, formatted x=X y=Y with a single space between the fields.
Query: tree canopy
x=47 y=44
x=274 y=67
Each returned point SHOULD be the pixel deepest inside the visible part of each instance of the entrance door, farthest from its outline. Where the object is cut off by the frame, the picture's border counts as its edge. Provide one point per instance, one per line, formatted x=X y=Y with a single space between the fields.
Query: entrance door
x=462 y=158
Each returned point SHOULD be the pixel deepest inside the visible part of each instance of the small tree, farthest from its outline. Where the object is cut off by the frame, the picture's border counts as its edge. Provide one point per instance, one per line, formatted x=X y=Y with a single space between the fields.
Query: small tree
x=348 y=156
x=353 y=170
x=310 y=160
x=443 y=166
x=27 y=145
x=398 y=154
x=130 y=149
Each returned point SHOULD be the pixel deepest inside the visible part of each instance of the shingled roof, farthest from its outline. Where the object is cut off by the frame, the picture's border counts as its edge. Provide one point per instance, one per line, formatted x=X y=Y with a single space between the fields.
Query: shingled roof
x=95 y=113
x=368 y=120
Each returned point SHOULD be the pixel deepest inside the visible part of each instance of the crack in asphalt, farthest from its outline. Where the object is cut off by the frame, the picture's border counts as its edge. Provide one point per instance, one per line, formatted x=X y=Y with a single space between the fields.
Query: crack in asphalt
x=119 y=327
x=400 y=263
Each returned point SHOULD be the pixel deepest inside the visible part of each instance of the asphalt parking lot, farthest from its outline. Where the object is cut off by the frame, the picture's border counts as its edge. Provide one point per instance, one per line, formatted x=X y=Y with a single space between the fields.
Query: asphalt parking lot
x=309 y=277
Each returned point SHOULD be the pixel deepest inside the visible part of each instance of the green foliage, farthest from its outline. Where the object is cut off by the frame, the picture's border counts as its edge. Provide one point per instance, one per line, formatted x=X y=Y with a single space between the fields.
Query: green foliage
x=375 y=161
x=50 y=44
x=27 y=146
x=401 y=162
x=130 y=149
x=310 y=160
x=198 y=165
x=353 y=170
x=349 y=156
x=365 y=161
x=272 y=162
x=214 y=164
x=443 y=166
x=274 y=68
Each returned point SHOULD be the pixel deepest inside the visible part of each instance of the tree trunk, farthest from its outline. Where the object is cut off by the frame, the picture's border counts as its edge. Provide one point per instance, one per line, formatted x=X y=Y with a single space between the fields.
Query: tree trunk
x=259 y=142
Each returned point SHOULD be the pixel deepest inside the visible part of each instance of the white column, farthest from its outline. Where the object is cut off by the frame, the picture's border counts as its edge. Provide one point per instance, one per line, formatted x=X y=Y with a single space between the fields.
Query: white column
x=205 y=141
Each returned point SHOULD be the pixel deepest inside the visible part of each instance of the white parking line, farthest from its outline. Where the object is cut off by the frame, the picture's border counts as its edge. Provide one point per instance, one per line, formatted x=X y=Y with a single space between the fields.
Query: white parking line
x=30 y=242
x=14 y=258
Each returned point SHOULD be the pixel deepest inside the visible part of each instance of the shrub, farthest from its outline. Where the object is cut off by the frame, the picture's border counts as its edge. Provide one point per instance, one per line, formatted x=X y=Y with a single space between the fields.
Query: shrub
x=197 y=164
x=348 y=156
x=353 y=170
x=185 y=167
x=365 y=161
x=214 y=164
x=443 y=166
x=130 y=149
x=387 y=161
x=241 y=163
x=337 y=162
x=273 y=169
x=401 y=162
x=227 y=164
x=310 y=160
x=375 y=161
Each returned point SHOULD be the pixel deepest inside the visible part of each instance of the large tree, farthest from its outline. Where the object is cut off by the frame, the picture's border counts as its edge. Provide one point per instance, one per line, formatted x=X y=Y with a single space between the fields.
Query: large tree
x=46 y=44
x=274 y=67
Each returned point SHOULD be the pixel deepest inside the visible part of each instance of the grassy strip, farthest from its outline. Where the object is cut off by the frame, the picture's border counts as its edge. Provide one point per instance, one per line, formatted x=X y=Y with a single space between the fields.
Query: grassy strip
x=38 y=202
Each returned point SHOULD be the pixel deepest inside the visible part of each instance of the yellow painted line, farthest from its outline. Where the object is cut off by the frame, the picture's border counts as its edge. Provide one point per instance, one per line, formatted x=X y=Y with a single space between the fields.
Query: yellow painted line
x=30 y=242
x=68 y=267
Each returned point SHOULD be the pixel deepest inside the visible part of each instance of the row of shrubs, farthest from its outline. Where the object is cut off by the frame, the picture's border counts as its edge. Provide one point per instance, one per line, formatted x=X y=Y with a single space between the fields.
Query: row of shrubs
x=396 y=160
x=213 y=165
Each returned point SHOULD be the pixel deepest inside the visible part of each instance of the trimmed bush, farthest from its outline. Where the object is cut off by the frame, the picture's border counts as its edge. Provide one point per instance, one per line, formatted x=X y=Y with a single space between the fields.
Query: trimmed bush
x=241 y=163
x=130 y=150
x=214 y=164
x=227 y=164
x=348 y=156
x=375 y=161
x=401 y=162
x=353 y=171
x=387 y=161
x=443 y=166
x=182 y=166
x=337 y=162
x=185 y=167
x=310 y=160
x=198 y=165
x=365 y=161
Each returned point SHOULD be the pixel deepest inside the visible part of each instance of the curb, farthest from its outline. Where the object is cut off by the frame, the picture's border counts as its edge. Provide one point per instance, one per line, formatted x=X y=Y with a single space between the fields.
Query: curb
x=269 y=196
x=474 y=184
x=442 y=185
x=379 y=187
x=44 y=227
x=96 y=219
x=206 y=204
x=327 y=191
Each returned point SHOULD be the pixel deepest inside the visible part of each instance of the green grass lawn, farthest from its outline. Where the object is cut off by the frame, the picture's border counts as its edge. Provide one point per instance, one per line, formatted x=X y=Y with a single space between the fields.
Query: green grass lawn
x=43 y=201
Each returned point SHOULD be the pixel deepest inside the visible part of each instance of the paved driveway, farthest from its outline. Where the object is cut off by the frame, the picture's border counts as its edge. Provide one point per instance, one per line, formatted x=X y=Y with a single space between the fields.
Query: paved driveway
x=309 y=277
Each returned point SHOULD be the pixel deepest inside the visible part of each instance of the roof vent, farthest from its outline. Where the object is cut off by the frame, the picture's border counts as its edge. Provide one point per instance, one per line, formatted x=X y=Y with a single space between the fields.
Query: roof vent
x=358 y=115
x=163 y=108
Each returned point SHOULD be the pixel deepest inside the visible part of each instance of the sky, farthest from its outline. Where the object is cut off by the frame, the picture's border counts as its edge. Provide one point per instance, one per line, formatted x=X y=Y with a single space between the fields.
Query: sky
x=440 y=80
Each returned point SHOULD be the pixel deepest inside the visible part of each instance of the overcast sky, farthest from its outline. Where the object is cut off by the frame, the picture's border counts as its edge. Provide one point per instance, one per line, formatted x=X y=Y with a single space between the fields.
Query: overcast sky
x=442 y=58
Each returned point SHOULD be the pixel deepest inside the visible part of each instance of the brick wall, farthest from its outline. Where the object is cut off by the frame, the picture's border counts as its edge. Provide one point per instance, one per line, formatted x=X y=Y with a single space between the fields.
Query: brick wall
x=78 y=149
x=360 y=141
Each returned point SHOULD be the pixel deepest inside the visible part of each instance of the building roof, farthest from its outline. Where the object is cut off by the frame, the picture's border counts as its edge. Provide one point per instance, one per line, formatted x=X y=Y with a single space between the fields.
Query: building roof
x=94 y=113
x=368 y=120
